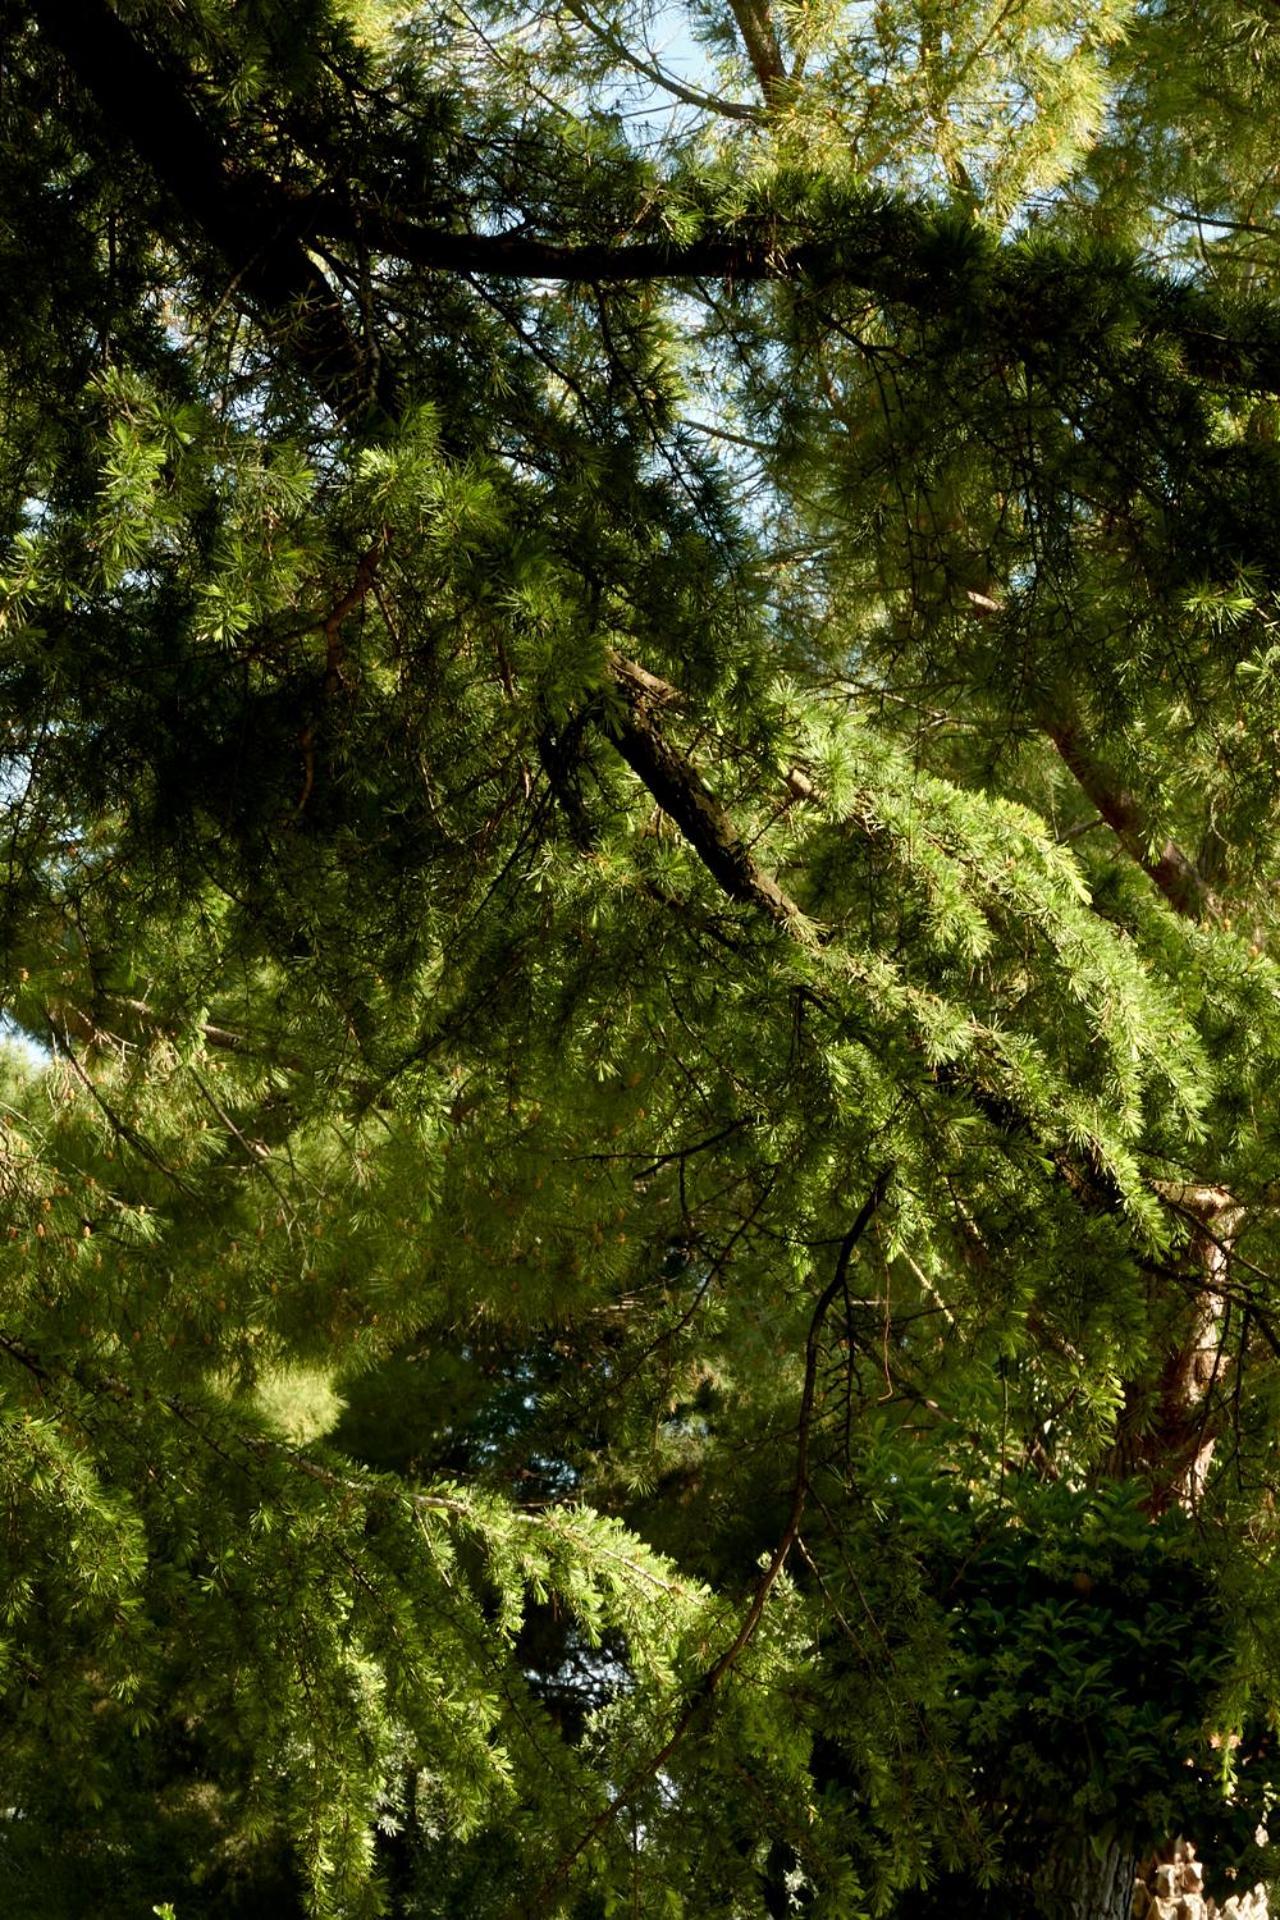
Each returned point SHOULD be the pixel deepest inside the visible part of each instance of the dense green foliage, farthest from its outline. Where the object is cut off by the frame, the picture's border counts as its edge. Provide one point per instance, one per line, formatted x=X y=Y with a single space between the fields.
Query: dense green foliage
x=641 y=716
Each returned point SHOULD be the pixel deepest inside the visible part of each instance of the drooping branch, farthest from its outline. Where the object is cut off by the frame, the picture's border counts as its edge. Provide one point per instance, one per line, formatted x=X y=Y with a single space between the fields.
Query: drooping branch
x=658 y=75
x=676 y=785
x=1172 y=870
x=225 y=1436
x=131 y=1017
x=712 y=1680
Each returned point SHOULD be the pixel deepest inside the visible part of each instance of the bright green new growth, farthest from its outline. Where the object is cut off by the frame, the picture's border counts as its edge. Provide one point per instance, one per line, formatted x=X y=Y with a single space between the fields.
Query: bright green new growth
x=638 y=1140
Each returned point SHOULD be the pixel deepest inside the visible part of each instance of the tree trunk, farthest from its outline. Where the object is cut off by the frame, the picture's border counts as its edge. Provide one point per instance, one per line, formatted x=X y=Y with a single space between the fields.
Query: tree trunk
x=1069 y=1881
x=1168 y=1429
x=1073 y=1882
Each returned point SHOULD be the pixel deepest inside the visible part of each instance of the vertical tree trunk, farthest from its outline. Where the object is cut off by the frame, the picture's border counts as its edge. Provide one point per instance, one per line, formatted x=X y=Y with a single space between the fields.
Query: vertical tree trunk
x=1168 y=1430
x=1076 y=1883
x=1068 y=1881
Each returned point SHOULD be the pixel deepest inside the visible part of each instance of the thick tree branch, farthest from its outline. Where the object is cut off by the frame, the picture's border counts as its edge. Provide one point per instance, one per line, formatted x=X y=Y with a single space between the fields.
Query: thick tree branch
x=1173 y=871
x=677 y=787
x=1006 y=296
x=760 y=38
x=897 y=252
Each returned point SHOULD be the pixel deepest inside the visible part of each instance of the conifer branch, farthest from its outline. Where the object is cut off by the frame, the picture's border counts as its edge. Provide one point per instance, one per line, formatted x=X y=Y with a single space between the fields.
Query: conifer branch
x=25 y=1358
x=895 y=251
x=677 y=787
x=658 y=75
x=1175 y=874
x=1172 y=870
x=246 y=216
x=421 y=1502
x=365 y=1486
x=123 y=1130
x=713 y=1679
x=139 y=1017
x=760 y=38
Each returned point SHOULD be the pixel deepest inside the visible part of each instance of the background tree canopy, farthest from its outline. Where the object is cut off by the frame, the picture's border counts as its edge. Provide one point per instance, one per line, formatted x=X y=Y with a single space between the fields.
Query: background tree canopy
x=640 y=684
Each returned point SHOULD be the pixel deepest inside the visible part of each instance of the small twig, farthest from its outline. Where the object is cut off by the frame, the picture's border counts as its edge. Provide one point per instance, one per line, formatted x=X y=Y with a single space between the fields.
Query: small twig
x=257 y=1155
x=25 y=1358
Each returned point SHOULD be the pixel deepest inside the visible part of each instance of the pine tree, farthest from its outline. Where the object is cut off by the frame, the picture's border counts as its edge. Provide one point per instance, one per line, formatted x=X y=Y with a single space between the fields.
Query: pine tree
x=643 y=1005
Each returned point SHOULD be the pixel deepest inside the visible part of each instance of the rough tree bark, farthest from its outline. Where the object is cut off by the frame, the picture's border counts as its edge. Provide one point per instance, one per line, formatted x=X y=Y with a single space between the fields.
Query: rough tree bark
x=1076 y=1883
